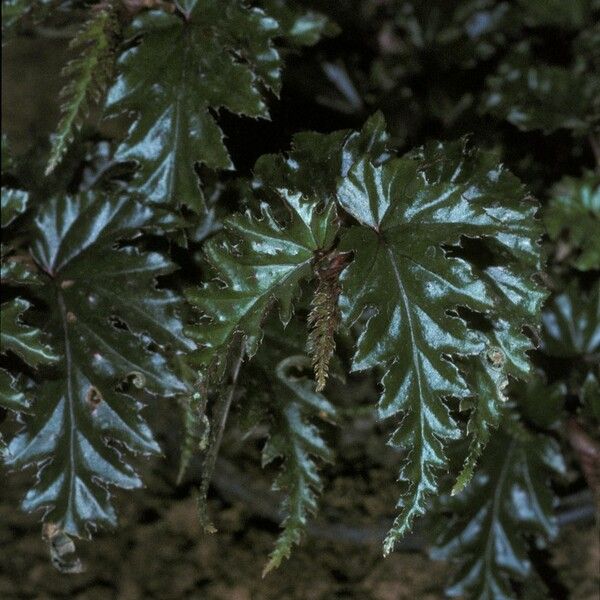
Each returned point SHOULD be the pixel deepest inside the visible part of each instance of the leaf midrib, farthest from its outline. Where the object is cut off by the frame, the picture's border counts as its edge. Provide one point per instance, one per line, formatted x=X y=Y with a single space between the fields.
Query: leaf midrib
x=496 y=502
x=70 y=401
x=414 y=350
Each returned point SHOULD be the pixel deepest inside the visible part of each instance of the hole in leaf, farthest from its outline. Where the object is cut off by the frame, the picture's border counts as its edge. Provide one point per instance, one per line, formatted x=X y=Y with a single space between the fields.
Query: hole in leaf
x=93 y=397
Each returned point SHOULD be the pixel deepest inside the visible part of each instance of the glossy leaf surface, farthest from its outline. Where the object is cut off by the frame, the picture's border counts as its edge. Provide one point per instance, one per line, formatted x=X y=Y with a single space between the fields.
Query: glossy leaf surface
x=27 y=343
x=299 y=26
x=316 y=160
x=218 y=54
x=408 y=209
x=258 y=261
x=299 y=443
x=508 y=501
x=486 y=375
x=103 y=320
x=533 y=95
x=574 y=212
x=571 y=323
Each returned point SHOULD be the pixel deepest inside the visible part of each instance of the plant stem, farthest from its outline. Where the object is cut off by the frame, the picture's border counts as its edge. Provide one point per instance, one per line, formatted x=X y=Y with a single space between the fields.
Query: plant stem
x=221 y=412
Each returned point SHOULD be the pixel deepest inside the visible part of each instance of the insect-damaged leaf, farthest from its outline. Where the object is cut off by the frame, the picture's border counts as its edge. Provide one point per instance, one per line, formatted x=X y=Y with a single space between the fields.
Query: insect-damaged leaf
x=105 y=313
x=26 y=342
x=409 y=209
x=217 y=54
x=258 y=261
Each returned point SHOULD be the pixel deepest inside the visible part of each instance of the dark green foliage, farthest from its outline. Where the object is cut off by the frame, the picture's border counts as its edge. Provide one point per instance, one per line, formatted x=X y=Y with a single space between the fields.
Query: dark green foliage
x=88 y=74
x=215 y=54
x=349 y=252
x=103 y=320
x=534 y=96
x=507 y=502
x=459 y=33
x=299 y=27
x=288 y=405
x=298 y=443
x=486 y=374
x=330 y=156
x=571 y=323
x=258 y=260
x=408 y=209
x=16 y=337
x=573 y=215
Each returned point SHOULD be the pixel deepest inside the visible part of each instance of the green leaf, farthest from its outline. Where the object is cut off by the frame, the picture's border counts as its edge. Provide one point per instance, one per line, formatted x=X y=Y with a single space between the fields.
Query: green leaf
x=540 y=403
x=218 y=54
x=574 y=213
x=410 y=209
x=455 y=33
x=14 y=203
x=109 y=323
x=590 y=397
x=508 y=502
x=281 y=394
x=317 y=160
x=487 y=375
x=300 y=27
x=258 y=260
x=298 y=443
x=89 y=74
x=25 y=341
x=531 y=95
x=11 y=396
x=571 y=323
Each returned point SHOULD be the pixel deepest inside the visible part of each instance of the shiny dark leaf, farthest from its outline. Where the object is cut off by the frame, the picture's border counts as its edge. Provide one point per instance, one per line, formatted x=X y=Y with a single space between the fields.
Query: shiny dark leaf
x=571 y=323
x=300 y=27
x=109 y=323
x=533 y=95
x=217 y=54
x=258 y=261
x=573 y=214
x=508 y=502
x=282 y=397
x=317 y=160
x=408 y=210
x=299 y=443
